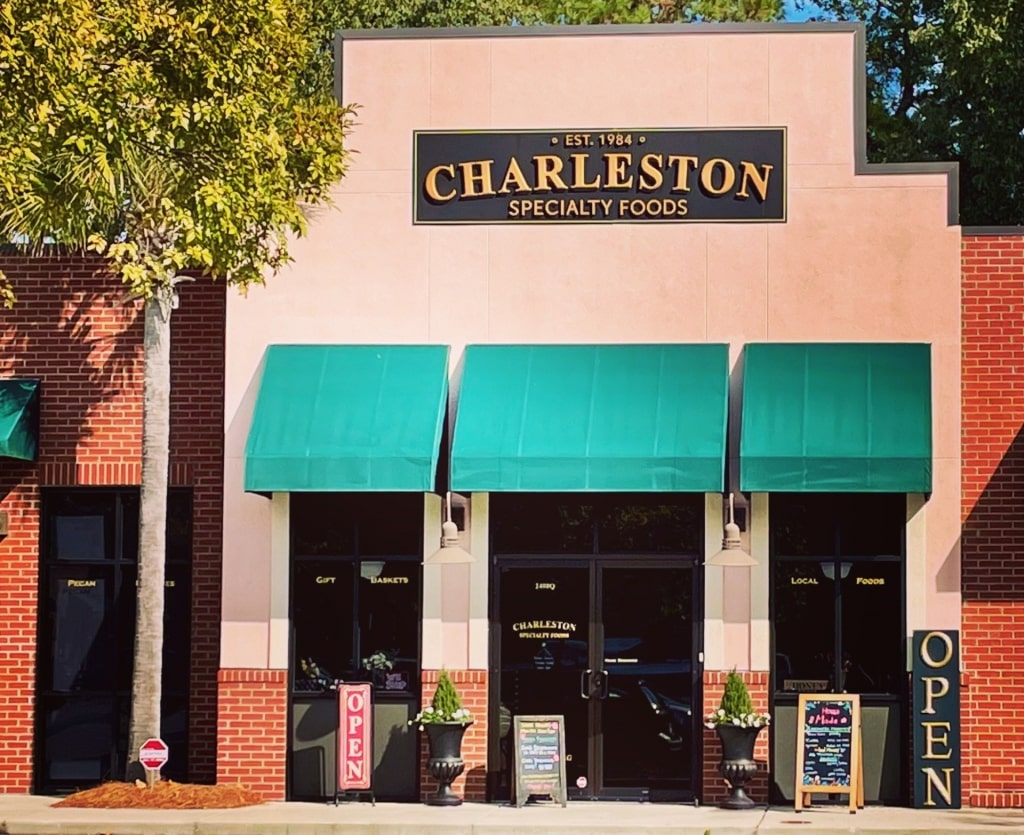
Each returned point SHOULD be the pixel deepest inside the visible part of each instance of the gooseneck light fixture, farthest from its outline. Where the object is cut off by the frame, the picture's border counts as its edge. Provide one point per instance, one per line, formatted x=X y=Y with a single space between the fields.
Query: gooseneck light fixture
x=732 y=553
x=450 y=551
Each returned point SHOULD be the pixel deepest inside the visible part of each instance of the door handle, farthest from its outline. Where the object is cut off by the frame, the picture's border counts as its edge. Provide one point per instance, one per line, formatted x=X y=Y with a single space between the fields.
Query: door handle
x=585 y=684
x=603 y=689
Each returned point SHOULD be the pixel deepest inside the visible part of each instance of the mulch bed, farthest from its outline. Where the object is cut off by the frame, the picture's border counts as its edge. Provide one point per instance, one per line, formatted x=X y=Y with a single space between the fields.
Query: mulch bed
x=165 y=794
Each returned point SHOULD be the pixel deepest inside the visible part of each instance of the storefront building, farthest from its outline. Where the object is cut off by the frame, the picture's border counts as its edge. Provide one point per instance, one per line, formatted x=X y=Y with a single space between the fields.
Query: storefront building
x=591 y=283
x=588 y=283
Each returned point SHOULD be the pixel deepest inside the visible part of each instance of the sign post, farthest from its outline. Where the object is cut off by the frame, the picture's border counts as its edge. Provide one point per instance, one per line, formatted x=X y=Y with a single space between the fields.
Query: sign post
x=153 y=754
x=828 y=748
x=540 y=758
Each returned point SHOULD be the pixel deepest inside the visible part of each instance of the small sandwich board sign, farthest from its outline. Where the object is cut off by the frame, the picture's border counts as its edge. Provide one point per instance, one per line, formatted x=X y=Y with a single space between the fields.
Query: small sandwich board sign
x=540 y=758
x=828 y=748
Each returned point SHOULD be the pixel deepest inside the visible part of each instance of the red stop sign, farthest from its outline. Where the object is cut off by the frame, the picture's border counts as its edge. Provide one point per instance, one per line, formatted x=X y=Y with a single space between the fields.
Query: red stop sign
x=153 y=754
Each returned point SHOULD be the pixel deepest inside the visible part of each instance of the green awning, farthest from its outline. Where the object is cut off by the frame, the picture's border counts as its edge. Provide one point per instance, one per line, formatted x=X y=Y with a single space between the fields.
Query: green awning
x=837 y=417
x=19 y=419
x=348 y=418
x=580 y=418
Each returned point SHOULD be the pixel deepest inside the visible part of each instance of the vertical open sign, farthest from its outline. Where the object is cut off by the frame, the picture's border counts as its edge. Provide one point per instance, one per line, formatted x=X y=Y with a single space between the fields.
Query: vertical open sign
x=355 y=737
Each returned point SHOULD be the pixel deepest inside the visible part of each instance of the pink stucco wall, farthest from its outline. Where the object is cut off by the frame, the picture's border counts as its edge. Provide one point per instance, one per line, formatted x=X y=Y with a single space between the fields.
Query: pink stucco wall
x=861 y=257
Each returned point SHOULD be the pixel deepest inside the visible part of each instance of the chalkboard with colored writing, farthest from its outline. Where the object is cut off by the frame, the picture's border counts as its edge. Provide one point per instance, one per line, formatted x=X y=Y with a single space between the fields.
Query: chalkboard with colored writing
x=828 y=748
x=540 y=758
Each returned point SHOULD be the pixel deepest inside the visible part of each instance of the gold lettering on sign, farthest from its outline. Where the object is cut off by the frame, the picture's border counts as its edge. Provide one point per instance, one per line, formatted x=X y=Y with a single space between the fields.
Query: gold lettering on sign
x=548 y=168
x=430 y=183
x=803 y=581
x=707 y=176
x=579 y=174
x=82 y=584
x=944 y=788
x=393 y=581
x=321 y=581
x=750 y=175
x=935 y=687
x=476 y=178
x=931 y=738
x=926 y=655
x=870 y=581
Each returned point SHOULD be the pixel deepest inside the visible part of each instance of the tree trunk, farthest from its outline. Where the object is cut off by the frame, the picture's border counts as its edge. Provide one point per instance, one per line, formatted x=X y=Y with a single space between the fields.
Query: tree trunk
x=149 y=618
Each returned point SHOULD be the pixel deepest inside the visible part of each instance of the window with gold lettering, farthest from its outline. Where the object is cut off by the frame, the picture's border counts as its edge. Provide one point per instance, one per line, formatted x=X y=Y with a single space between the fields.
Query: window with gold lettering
x=356 y=590
x=837 y=592
x=88 y=572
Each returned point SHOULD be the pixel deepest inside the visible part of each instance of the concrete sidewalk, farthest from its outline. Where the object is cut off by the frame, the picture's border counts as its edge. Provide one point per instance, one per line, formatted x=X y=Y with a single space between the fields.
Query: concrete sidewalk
x=32 y=815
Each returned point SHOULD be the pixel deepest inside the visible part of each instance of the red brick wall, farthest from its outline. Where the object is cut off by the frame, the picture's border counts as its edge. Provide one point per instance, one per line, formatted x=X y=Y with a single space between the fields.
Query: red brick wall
x=715 y=788
x=252 y=730
x=472 y=687
x=71 y=329
x=992 y=543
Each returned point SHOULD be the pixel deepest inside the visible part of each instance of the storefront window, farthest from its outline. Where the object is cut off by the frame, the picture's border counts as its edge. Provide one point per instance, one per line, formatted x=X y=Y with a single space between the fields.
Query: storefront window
x=838 y=592
x=356 y=611
x=87 y=626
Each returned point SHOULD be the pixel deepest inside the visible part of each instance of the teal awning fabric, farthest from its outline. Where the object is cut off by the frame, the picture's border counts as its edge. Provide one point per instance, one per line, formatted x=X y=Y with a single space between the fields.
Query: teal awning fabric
x=580 y=418
x=19 y=419
x=836 y=417
x=348 y=418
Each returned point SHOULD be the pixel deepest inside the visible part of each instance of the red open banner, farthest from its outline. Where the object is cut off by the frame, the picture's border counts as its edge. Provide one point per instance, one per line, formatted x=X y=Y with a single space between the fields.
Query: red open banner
x=355 y=737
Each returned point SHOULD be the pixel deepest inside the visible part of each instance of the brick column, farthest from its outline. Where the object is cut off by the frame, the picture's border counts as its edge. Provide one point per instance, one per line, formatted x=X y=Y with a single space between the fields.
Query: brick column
x=252 y=730
x=472 y=687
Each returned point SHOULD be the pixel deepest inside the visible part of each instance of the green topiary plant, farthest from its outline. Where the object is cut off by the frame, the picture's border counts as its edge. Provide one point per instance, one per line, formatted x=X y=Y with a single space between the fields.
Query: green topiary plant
x=446 y=706
x=736 y=708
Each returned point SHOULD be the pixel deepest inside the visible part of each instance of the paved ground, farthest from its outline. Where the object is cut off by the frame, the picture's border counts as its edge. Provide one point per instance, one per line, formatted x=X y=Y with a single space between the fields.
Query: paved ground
x=31 y=815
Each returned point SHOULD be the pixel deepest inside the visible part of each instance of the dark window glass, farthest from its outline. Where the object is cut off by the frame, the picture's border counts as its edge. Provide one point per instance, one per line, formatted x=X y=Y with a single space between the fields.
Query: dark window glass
x=322 y=618
x=872 y=524
x=838 y=618
x=79 y=734
x=803 y=525
x=524 y=523
x=390 y=524
x=804 y=627
x=872 y=595
x=179 y=526
x=389 y=620
x=322 y=524
x=84 y=655
x=650 y=528
x=83 y=525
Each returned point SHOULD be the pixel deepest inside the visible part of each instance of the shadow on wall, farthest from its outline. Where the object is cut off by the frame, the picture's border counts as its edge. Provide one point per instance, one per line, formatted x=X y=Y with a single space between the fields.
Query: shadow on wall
x=993 y=534
x=70 y=329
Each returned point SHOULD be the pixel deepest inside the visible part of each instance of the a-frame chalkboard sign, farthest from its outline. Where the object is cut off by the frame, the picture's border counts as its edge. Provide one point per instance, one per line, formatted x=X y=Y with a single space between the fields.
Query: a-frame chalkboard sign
x=540 y=758
x=829 y=759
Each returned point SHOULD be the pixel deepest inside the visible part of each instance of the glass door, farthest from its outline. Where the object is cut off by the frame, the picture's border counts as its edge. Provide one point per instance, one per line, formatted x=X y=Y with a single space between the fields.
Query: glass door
x=546 y=661
x=644 y=737
x=608 y=644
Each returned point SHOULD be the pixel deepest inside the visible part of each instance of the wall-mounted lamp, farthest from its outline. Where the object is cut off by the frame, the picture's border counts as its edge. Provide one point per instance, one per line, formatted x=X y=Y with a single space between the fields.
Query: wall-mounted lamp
x=732 y=552
x=450 y=551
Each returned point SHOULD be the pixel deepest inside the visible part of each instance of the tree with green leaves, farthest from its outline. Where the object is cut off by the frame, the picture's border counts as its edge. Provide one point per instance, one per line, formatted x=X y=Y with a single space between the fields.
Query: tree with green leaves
x=171 y=137
x=946 y=82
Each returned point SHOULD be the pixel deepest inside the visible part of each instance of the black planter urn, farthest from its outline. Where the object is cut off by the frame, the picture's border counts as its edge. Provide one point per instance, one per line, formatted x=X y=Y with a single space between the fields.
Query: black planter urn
x=737 y=765
x=445 y=762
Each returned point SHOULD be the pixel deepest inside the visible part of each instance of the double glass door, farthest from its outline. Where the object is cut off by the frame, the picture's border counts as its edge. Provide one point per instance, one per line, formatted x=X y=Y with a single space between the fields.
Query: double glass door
x=608 y=644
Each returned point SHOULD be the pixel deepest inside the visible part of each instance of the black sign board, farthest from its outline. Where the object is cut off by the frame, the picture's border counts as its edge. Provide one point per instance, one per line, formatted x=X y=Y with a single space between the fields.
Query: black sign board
x=936 y=676
x=593 y=176
x=828 y=752
x=540 y=758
